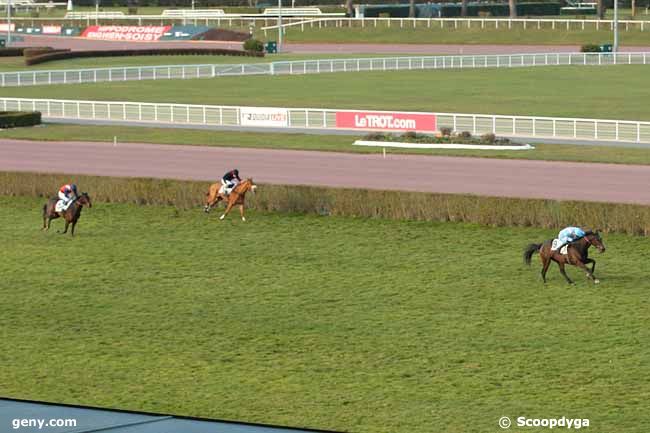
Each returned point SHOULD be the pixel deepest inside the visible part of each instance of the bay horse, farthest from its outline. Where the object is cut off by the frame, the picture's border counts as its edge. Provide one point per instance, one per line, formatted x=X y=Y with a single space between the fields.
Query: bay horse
x=70 y=215
x=577 y=255
x=236 y=197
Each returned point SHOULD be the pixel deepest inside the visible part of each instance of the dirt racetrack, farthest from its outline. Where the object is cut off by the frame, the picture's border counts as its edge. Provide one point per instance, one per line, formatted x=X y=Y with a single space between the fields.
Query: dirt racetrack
x=482 y=176
x=78 y=43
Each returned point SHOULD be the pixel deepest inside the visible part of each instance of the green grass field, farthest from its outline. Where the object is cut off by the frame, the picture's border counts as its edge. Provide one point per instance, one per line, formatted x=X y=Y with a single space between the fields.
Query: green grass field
x=335 y=143
x=558 y=91
x=338 y=323
x=474 y=35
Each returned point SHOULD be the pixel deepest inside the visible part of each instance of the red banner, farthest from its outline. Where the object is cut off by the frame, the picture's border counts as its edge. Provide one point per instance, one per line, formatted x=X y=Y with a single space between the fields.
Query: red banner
x=126 y=33
x=378 y=121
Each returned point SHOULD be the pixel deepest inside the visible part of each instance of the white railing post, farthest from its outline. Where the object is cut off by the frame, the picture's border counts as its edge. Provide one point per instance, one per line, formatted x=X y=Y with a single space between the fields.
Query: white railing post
x=575 y=128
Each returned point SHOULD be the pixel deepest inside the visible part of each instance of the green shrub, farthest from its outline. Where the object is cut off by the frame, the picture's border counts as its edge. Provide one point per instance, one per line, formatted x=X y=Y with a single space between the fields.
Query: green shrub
x=254 y=45
x=488 y=138
x=445 y=131
x=13 y=119
x=410 y=136
x=376 y=136
x=590 y=48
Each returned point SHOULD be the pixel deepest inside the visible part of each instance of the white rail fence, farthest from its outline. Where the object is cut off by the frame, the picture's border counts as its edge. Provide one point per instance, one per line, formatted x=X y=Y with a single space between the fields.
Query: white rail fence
x=461 y=23
x=168 y=72
x=213 y=115
x=312 y=22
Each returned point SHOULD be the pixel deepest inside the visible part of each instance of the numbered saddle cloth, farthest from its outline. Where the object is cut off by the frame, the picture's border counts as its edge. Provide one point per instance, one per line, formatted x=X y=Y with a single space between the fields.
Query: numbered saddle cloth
x=556 y=243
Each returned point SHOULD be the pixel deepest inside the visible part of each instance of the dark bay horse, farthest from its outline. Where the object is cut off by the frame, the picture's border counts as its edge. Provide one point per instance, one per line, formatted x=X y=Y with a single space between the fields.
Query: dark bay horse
x=577 y=255
x=236 y=197
x=70 y=215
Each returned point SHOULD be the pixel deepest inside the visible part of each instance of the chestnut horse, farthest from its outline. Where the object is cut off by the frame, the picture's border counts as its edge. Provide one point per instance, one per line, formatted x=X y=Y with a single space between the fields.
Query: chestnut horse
x=70 y=215
x=236 y=197
x=577 y=255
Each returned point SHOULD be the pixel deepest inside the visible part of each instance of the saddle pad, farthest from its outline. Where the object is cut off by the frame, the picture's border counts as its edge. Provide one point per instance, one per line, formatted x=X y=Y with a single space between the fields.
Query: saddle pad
x=556 y=243
x=59 y=206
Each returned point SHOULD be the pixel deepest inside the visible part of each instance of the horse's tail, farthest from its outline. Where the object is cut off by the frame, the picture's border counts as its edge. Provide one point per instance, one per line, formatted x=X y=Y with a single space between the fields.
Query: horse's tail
x=529 y=251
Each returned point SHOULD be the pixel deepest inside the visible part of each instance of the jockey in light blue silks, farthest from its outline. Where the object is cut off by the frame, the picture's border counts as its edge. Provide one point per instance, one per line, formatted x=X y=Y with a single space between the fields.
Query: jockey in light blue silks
x=568 y=235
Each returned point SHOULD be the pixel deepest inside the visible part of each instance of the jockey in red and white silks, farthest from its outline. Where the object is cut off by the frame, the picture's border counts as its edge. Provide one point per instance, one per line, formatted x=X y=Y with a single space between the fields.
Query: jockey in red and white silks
x=67 y=193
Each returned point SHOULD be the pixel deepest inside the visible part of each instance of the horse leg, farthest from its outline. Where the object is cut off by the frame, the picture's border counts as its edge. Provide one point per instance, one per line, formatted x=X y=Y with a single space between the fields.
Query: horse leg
x=65 y=230
x=593 y=264
x=563 y=271
x=546 y=262
x=74 y=223
x=241 y=212
x=590 y=275
x=230 y=205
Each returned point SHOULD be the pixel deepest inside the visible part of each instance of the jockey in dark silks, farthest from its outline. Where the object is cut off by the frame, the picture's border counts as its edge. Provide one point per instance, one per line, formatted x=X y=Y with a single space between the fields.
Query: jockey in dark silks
x=68 y=193
x=230 y=180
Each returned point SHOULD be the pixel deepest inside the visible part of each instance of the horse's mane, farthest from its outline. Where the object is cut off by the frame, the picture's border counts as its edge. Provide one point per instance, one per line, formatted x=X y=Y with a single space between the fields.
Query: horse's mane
x=238 y=187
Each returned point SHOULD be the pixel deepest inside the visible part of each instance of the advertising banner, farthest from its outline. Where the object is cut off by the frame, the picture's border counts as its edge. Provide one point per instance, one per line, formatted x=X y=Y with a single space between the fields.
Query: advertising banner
x=382 y=121
x=260 y=116
x=51 y=30
x=125 y=33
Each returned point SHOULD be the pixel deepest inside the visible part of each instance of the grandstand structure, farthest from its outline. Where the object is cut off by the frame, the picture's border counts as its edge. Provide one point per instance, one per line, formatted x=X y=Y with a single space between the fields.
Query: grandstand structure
x=29 y=4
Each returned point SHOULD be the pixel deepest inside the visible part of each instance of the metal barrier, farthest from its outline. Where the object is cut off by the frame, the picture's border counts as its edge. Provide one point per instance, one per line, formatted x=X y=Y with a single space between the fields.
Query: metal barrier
x=189 y=115
x=168 y=72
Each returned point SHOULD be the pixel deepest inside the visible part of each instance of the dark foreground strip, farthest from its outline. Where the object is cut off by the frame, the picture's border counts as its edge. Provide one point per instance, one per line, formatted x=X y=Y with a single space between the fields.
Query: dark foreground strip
x=95 y=419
